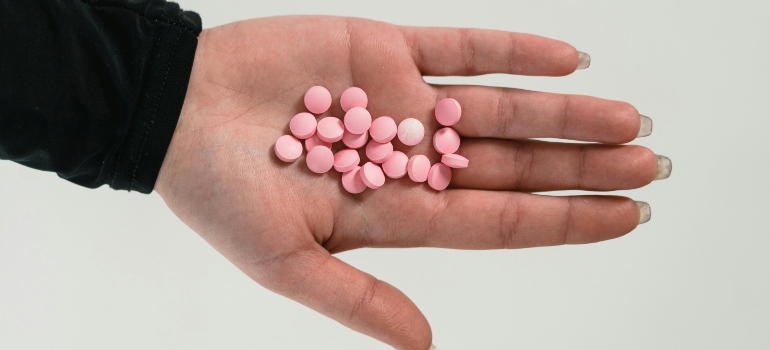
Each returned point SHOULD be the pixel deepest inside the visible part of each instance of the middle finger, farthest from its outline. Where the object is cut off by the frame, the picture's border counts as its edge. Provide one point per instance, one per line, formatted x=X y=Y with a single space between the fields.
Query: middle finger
x=535 y=166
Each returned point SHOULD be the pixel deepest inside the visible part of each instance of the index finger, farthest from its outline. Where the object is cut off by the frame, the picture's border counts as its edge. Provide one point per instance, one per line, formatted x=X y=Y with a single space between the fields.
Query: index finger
x=466 y=51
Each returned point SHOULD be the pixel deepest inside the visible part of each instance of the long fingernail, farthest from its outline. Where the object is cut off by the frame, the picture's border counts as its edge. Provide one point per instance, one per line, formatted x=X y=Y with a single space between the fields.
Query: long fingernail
x=664 y=167
x=584 y=60
x=646 y=128
x=645 y=213
x=433 y=347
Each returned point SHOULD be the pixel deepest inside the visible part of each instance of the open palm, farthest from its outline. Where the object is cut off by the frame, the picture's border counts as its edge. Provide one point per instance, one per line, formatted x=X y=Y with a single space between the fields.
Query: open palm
x=280 y=223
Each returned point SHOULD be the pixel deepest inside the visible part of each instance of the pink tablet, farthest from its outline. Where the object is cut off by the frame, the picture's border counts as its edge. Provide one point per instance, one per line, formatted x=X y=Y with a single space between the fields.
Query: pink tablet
x=448 y=112
x=346 y=160
x=446 y=141
x=358 y=120
x=288 y=148
x=372 y=176
x=303 y=125
x=379 y=152
x=410 y=131
x=330 y=129
x=454 y=161
x=318 y=99
x=395 y=166
x=351 y=181
x=355 y=141
x=353 y=97
x=439 y=176
x=313 y=141
x=320 y=159
x=418 y=167
x=383 y=129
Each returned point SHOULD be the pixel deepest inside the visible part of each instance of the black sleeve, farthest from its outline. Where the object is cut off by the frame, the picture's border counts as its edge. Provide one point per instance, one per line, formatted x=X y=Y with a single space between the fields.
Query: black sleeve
x=92 y=90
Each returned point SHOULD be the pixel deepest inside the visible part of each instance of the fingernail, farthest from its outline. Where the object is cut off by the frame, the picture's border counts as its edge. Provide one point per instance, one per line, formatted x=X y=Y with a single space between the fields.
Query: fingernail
x=664 y=167
x=433 y=347
x=646 y=128
x=645 y=213
x=584 y=60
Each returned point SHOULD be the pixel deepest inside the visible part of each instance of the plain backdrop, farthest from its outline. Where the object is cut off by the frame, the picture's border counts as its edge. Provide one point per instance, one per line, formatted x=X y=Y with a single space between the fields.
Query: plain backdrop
x=78 y=270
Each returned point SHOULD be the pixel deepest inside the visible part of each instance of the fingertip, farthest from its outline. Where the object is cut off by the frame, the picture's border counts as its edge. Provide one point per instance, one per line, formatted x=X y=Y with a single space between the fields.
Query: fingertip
x=644 y=163
x=604 y=218
x=625 y=121
x=564 y=59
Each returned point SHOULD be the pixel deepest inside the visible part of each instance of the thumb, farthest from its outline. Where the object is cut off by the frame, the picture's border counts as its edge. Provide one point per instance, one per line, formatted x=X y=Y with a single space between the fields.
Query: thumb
x=350 y=296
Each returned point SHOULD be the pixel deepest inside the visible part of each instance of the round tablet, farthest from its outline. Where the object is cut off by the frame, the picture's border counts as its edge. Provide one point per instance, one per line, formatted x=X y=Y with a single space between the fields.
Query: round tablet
x=395 y=166
x=303 y=125
x=313 y=141
x=330 y=129
x=288 y=148
x=448 y=111
x=351 y=181
x=439 y=176
x=454 y=161
x=353 y=97
x=320 y=159
x=346 y=160
x=383 y=129
x=355 y=141
x=318 y=99
x=358 y=120
x=446 y=141
x=372 y=175
x=410 y=131
x=379 y=152
x=418 y=167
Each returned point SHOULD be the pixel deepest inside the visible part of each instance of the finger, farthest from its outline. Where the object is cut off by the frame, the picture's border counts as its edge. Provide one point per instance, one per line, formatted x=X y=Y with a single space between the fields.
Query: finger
x=353 y=298
x=536 y=166
x=475 y=219
x=463 y=51
x=514 y=114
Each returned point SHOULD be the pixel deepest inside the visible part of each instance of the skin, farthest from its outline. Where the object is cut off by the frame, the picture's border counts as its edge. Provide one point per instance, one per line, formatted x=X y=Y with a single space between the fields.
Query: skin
x=281 y=224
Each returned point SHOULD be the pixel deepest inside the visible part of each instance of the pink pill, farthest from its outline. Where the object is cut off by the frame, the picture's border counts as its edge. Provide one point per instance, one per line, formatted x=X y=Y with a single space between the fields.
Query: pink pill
x=318 y=99
x=410 y=131
x=439 y=176
x=446 y=141
x=303 y=125
x=379 y=152
x=418 y=168
x=448 y=112
x=395 y=166
x=358 y=120
x=320 y=159
x=313 y=141
x=454 y=161
x=330 y=129
x=355 y=141
x=288 y=148
x=353 y=97
x=351 y=181
x=346 y=160
x=383 y=129
x=372 y=176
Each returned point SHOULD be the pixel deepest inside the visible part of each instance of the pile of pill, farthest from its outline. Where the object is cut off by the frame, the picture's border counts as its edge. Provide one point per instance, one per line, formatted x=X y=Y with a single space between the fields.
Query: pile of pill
x=354 y=132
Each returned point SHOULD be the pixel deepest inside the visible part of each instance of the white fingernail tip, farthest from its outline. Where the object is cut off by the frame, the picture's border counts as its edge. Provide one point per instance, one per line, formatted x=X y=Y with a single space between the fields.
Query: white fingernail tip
x=645 y=213
x=433 y=347
x=646 y=128
x=584 y=60
x=664 y=167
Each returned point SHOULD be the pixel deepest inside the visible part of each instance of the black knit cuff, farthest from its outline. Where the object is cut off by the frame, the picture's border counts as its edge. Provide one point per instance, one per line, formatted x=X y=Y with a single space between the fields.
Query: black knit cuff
x=140 y=156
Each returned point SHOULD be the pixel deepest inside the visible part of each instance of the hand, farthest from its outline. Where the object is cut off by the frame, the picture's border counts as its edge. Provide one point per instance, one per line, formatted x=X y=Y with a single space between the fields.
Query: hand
x=280 y=223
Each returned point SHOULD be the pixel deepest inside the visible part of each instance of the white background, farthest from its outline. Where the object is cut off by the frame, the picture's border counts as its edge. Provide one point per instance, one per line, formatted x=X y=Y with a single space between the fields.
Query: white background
x=99 y=269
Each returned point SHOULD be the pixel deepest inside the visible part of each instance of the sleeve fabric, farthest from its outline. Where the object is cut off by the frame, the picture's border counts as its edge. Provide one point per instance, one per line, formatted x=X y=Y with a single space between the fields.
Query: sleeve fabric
x=92 y=89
